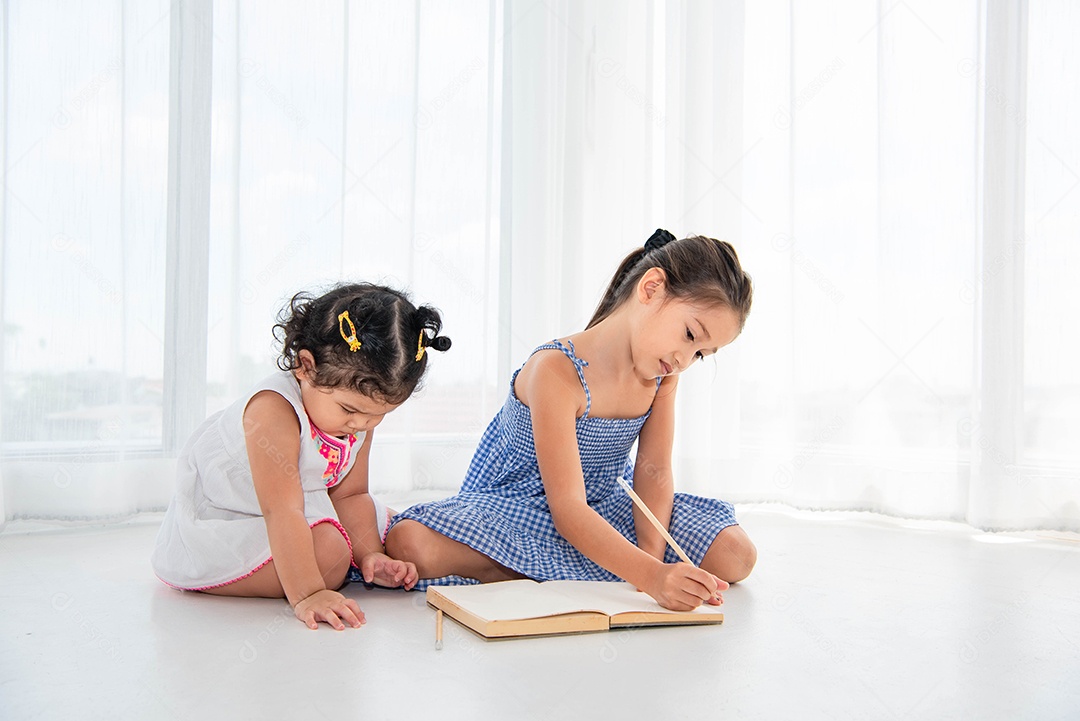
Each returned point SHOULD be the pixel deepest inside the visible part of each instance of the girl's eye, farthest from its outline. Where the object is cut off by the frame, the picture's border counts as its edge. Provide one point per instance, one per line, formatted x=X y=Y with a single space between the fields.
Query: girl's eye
x=699 y=355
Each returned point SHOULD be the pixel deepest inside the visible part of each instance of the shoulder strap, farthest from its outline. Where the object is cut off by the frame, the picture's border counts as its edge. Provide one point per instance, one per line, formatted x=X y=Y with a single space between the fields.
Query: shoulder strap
x=579 y=364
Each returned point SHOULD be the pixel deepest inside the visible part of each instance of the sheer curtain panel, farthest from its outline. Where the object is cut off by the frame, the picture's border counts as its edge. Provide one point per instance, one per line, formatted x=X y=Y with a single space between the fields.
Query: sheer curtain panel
x=902 y=180
x=158 y=214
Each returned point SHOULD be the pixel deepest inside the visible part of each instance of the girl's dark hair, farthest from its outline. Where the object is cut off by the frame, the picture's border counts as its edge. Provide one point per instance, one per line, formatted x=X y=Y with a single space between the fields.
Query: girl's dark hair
x=387 y=325
x=699 y=270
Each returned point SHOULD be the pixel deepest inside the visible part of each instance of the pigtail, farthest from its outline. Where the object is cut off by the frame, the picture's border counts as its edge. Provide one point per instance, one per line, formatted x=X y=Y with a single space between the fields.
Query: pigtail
x=428 y=321
x=365 y=337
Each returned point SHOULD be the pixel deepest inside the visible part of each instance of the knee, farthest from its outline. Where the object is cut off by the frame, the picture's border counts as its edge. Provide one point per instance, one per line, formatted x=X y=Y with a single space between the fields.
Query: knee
x=747 y=558
x=732 y=555
x=404 y=542
x=331 y=553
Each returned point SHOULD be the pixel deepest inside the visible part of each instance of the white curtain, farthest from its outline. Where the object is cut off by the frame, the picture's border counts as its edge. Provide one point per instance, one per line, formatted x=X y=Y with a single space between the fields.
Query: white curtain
x=344 y=141
x=920 y=218
x=899 y=179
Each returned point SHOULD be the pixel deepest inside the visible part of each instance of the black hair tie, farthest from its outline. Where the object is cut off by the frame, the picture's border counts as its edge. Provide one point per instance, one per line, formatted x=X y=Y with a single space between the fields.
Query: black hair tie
x=658 y=240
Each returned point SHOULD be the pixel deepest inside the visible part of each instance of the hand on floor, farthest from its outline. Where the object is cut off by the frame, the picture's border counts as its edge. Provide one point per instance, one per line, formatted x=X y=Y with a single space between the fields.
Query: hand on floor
x=330 y=607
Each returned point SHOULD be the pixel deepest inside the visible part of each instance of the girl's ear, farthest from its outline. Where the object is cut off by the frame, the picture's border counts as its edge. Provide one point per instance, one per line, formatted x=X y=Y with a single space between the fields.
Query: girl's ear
x=651 y=286
x=306 y=371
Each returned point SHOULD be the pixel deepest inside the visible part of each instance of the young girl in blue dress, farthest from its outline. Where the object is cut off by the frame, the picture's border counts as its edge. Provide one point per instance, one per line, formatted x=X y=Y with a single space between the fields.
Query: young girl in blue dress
x=272 y=494
x=541 y=499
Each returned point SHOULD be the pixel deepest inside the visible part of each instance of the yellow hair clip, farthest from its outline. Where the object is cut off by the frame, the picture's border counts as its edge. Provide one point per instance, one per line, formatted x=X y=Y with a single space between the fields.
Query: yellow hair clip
x=351 y=339
x=420 y=347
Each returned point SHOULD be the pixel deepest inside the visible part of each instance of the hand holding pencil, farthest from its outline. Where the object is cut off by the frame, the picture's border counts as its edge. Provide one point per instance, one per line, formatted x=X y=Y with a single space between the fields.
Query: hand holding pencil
x=677 y=587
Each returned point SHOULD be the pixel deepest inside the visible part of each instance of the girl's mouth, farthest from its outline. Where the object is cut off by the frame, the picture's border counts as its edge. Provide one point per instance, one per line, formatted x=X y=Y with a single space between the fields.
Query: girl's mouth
x=665 y=368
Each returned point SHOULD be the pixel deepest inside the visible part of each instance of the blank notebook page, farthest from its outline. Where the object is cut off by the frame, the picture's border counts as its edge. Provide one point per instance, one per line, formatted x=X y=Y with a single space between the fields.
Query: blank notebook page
x=511 y=600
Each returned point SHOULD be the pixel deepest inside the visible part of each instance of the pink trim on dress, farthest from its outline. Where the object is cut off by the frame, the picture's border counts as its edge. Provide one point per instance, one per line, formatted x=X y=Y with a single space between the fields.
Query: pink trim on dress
x=386 y=527
x=332 y=521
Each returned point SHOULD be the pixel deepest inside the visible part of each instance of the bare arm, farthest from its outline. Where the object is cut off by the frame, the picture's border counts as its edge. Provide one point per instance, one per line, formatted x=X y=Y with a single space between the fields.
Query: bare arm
x=356 y=511
x=272 y=433
x=552 y=392
x=354 y=507
x=653 y=477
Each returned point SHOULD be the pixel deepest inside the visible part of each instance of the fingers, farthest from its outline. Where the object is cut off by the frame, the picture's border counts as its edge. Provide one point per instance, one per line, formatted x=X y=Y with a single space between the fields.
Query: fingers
x=331 y=618
x=350 y=612
x=367 y=567
x=721 y=585
x=689 y=587
x=411 y=577
x=696 y=594
x=331 y=608
x=393 y=572
x=355 y=608
x=344 y=610
x=698 y=587
x=678 y=599
x=386 y=571
x=714 y=585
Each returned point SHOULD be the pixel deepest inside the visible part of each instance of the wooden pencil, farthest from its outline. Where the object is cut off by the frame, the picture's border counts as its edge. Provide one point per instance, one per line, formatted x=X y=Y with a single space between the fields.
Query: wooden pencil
x=438 y=629
x=652 y=519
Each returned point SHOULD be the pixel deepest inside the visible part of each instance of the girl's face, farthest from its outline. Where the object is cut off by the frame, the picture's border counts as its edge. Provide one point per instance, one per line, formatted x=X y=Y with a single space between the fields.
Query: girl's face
x=338 y=411
x=672 y=334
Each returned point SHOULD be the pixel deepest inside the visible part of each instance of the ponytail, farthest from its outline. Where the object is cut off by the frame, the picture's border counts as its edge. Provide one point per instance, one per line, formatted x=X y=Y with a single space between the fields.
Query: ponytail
x=697 y=268
x=612 y=296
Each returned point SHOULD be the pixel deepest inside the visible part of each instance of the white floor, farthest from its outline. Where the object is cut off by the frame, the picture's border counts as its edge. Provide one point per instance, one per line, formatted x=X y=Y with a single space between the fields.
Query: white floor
x=847 y=616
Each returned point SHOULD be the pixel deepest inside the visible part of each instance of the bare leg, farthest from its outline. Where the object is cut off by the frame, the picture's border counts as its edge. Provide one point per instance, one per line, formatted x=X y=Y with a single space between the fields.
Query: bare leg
x=731 y=556
x=331 y=553
x=435 y=555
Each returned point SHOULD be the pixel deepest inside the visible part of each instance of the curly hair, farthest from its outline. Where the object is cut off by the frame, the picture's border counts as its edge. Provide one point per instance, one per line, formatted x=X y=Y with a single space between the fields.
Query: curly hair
x=391 y=331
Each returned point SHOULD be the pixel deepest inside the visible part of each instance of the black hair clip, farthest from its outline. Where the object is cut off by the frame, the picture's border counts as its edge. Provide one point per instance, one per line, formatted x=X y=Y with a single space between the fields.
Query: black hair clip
x=658 y=240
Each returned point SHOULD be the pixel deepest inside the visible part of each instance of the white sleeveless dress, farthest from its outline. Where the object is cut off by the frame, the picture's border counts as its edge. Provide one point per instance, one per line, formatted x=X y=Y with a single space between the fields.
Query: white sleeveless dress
x=214 y=532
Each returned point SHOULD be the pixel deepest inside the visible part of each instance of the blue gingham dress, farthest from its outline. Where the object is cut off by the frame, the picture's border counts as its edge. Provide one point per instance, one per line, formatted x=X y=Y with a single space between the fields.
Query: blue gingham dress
x=502 y=512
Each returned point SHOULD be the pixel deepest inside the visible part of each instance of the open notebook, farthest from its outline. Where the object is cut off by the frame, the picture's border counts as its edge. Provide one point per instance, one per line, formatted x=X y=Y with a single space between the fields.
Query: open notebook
x=530 y=608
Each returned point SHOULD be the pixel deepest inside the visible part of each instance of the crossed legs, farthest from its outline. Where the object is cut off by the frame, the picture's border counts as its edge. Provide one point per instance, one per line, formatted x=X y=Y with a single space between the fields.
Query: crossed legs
x=731 y=556
x=435 y=555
